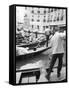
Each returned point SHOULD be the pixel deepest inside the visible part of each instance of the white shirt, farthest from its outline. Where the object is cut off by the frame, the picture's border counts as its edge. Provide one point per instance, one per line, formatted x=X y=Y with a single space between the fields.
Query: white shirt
x=57 y=43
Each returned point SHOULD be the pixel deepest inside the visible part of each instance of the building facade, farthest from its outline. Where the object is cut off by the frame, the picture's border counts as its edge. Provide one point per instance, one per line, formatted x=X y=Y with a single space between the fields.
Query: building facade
x=37 y=19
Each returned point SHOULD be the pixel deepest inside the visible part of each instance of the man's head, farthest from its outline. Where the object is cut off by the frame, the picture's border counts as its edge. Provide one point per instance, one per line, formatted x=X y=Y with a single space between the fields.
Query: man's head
x=56 y=29
x=53 y=31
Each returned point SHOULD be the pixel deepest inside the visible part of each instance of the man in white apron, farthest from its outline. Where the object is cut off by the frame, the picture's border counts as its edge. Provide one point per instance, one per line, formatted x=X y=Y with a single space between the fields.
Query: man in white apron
x=57 y=52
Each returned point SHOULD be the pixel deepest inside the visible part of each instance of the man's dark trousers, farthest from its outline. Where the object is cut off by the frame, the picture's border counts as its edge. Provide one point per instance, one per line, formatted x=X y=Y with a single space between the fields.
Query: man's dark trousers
x=54 y=58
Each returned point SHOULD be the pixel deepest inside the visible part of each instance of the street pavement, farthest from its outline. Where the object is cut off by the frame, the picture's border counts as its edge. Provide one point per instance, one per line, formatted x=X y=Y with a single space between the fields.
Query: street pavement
x=42 y=78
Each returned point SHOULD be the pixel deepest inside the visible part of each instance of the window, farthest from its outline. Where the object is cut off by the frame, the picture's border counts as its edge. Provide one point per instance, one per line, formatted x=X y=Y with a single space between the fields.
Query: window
x=55 y=9
x=48 y=19
x=44 y=11
x=44 y=16
x=44 y=27
x=37 y=26
x=58 y=18
x=51 y=18
x=32 y=11
x=62 y=11
x=62 y=18
x=38 y=11
x=32 y=26
x=54 y=19
x=32 y=20
x=38 y=20
x=25 y=15
x=51 y=10
x=44 y=20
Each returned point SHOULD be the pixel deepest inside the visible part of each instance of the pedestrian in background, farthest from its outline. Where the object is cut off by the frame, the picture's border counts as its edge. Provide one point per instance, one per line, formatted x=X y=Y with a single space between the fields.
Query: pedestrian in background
x=47 y=34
